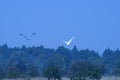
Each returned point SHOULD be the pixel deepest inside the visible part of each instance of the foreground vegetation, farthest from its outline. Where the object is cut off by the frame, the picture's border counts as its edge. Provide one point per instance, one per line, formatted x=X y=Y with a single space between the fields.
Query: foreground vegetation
x=41 y=78
x=54 y=64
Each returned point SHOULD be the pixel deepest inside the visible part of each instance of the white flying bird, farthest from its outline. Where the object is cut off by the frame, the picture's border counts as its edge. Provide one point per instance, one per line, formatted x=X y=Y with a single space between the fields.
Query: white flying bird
x=69 y=42
x=27 y=37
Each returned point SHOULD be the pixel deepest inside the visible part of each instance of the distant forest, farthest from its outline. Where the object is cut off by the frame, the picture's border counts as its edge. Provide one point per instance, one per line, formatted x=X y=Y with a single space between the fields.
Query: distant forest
x=32 y=61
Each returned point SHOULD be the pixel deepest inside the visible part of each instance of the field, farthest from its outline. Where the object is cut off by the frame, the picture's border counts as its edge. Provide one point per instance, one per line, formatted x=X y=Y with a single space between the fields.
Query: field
x=103 y=78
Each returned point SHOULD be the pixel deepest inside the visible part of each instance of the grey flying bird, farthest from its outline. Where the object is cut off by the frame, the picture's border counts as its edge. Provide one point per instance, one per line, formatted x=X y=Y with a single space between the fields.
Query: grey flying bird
x=27 y=37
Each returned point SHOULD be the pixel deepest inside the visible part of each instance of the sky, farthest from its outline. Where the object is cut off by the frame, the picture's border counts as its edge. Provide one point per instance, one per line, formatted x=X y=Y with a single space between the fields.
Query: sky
x=95 y=23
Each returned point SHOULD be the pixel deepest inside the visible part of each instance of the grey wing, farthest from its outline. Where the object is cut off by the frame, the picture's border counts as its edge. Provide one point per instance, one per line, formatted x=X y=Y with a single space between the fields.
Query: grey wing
x=32 y=34
x=24 y=36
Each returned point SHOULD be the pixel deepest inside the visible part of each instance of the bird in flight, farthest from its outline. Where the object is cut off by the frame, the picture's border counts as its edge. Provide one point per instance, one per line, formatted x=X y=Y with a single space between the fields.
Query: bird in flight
x=69 y=42
x=27 y=37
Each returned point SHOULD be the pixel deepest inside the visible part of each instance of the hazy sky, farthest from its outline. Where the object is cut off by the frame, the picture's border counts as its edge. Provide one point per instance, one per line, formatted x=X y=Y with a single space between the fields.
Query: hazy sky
x=95 y=23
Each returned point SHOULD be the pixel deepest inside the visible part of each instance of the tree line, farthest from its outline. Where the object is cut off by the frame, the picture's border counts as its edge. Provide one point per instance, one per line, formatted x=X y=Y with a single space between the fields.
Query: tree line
x=57 y=63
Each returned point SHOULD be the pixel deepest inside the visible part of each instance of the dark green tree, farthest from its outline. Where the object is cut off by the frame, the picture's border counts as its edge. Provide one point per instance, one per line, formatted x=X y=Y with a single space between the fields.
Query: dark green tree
x=52 y=71
x=116 y=70
x=12 y=72
x=85 y=71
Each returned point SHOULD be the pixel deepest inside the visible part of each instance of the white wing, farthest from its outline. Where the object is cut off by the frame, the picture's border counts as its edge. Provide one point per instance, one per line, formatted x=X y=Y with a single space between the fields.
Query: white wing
x=70 y=40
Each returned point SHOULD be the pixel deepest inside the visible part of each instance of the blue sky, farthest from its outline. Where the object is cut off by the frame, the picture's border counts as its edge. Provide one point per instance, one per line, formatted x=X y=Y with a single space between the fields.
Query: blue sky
x=95 y=23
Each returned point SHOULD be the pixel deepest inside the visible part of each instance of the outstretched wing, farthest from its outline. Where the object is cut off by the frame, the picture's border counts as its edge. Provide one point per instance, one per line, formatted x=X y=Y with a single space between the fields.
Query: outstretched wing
x=70 y=40
x=24 y=36
x=32 y=34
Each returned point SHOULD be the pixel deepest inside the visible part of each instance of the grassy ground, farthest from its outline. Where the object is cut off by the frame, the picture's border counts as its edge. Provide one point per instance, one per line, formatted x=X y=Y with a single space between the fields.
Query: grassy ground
x=110 y=78
x=103 y=78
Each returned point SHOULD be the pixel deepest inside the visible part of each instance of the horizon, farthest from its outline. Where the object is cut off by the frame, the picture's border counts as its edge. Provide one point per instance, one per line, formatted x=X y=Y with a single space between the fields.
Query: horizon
x=100 y=54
